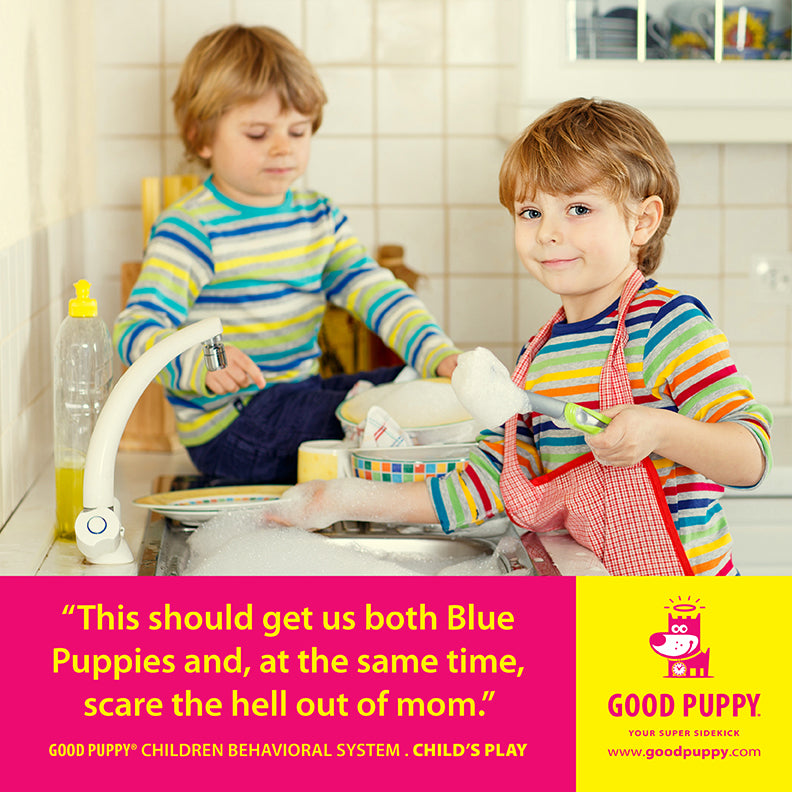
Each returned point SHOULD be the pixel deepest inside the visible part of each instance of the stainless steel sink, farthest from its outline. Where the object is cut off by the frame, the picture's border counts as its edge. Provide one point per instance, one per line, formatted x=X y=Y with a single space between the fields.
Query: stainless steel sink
x=420 y=549
x=495 y=547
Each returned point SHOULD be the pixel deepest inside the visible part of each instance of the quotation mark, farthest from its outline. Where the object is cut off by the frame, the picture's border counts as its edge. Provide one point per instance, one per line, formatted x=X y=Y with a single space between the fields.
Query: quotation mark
x=487 y=696
x=68 y=610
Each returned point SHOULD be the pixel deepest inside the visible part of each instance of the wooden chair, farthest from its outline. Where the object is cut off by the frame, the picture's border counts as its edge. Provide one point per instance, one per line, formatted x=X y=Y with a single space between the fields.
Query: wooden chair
x=152 y=425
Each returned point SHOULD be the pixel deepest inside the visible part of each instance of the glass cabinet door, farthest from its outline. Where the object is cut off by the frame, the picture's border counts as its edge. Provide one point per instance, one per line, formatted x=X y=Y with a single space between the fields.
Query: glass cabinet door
x=717 y=30
x=703 y=70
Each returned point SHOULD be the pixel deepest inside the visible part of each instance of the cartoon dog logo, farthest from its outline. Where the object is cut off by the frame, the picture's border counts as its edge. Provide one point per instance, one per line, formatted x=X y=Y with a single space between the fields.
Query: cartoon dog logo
x=681 y=645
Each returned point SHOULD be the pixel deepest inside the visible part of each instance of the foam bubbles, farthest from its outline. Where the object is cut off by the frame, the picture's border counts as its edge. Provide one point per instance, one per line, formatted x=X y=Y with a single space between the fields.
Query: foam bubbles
x=472 y=567
x=233 y=543
x=287 y=551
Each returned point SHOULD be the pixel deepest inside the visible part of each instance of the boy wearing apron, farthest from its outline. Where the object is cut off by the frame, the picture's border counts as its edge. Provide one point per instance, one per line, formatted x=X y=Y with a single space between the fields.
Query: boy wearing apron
x=592 y=188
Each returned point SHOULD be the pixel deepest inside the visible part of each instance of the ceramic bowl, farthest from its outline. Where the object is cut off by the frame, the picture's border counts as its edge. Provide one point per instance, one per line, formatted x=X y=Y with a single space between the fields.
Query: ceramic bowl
x=415 y=463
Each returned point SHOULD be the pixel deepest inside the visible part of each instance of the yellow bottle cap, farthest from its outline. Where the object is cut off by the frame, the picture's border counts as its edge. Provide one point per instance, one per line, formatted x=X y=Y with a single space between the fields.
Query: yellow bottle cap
x=82 y=304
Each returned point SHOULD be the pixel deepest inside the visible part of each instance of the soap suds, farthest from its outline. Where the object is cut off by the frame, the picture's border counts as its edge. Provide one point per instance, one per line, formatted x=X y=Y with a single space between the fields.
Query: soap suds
x=233 y=543
x=485 y=389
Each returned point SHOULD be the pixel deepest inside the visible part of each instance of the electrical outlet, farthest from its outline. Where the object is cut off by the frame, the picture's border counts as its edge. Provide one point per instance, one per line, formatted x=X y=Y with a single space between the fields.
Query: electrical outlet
x=771 y=276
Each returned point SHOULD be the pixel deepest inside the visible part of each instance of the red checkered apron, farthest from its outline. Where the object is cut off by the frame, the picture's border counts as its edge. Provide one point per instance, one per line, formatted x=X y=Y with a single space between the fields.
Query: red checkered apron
x=620 y=513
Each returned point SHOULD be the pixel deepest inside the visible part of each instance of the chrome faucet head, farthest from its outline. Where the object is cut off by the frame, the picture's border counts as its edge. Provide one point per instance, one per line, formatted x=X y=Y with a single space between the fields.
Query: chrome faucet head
x=214 y=353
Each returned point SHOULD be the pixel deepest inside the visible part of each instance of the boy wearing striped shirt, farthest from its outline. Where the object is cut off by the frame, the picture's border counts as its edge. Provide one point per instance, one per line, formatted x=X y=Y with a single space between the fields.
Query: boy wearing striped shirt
x=592 y=187
x=266 y=259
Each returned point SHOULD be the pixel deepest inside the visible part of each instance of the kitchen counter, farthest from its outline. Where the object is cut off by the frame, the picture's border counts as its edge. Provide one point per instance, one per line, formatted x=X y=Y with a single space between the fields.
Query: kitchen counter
x=27 y=542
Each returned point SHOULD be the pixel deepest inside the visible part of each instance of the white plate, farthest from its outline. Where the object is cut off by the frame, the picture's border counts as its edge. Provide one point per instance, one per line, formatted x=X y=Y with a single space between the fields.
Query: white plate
x=440 y=452
x=199 y=505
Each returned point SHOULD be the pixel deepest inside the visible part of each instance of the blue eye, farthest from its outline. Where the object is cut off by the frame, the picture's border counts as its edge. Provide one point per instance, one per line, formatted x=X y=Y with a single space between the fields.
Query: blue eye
x=579 y=210
x=531 y=214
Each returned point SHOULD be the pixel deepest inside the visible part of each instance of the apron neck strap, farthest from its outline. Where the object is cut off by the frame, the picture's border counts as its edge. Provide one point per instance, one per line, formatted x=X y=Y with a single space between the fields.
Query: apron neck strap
x=614 y=386
x=631 y=287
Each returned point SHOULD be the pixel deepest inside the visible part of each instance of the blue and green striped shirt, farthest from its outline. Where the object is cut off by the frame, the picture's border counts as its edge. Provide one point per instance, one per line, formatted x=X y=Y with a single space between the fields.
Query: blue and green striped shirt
x=268 y=273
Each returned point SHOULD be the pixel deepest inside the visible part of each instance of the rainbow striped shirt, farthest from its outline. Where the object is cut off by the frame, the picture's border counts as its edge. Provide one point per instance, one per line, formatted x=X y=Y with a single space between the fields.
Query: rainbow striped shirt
x=676 y=360
x=268 y=274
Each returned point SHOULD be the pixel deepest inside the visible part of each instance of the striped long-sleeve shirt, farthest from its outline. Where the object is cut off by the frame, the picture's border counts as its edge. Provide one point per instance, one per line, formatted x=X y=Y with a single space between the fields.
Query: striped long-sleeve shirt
x=676 y=360
x=268 y=273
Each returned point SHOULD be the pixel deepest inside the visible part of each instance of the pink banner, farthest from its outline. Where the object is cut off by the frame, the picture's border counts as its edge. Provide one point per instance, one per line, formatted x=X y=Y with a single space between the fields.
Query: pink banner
x=287 y=680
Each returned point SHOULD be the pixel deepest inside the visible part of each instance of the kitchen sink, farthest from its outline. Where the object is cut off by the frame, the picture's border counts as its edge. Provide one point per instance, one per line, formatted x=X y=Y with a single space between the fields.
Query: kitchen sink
x=419 y=549
x=492 y=549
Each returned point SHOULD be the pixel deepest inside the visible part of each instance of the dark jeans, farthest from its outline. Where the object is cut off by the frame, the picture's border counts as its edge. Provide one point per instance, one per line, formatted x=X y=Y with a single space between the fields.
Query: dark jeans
x=260 y=446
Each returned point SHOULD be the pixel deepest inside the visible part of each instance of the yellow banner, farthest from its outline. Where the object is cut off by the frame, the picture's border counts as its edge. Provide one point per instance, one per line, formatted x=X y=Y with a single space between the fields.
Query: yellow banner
x=683 y=683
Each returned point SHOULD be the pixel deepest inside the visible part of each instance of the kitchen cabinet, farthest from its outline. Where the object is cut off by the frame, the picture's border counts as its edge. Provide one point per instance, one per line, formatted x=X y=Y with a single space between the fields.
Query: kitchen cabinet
x=711 y=98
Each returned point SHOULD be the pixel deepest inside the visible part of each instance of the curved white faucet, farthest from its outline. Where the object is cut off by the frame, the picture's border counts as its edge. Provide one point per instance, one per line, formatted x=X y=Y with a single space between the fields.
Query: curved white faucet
x=100 y=535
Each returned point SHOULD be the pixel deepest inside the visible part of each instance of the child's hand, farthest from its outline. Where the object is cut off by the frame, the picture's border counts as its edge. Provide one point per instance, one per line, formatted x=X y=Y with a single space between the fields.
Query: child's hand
x=447 y=366
x=303 y=506
x=239 y=372
x=629 y=437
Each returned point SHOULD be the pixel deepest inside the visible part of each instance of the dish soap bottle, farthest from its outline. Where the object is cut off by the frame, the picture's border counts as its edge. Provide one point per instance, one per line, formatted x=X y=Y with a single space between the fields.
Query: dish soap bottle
x=82 y=381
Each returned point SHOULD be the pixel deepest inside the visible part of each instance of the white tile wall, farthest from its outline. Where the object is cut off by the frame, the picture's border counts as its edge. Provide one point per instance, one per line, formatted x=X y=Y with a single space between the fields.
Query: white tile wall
x=472 y=100
x=128 y=100
x=473 y=33
x=473 y=327
x=768 y=325
x=338 y=31
x=755 y=174
x=48 y=122
x=185 y=21
x=286 y=15
x=473 y=165
x=410 y=32
x=410 y=100
x=481 y=241
x=693 y=242
x=350 y=107
x=35 y=272
x=410 y=151
x=767 y=367
x=421 y=231
x=410 y=171
x=699 y=170
x=346 y=166
x=142 y=32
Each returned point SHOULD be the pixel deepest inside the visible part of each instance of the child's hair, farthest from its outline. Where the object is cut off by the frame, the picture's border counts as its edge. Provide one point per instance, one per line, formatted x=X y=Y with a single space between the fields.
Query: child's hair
x=236 y=65
x=592 y=143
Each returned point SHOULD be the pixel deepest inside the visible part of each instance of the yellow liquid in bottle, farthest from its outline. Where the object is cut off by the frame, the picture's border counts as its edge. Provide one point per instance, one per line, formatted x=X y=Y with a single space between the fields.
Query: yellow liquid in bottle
x=68 y=500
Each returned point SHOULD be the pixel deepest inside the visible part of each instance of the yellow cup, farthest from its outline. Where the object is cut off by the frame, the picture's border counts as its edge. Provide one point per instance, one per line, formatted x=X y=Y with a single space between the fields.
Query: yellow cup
x=322 y=459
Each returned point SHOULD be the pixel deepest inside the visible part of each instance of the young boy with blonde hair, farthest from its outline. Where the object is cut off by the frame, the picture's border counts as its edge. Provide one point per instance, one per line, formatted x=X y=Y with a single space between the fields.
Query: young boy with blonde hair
x=592 y=188
x=265 y=258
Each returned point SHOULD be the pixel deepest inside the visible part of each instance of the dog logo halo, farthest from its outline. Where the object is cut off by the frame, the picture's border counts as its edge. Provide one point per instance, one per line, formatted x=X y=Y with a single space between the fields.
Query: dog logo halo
x=681 y=644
